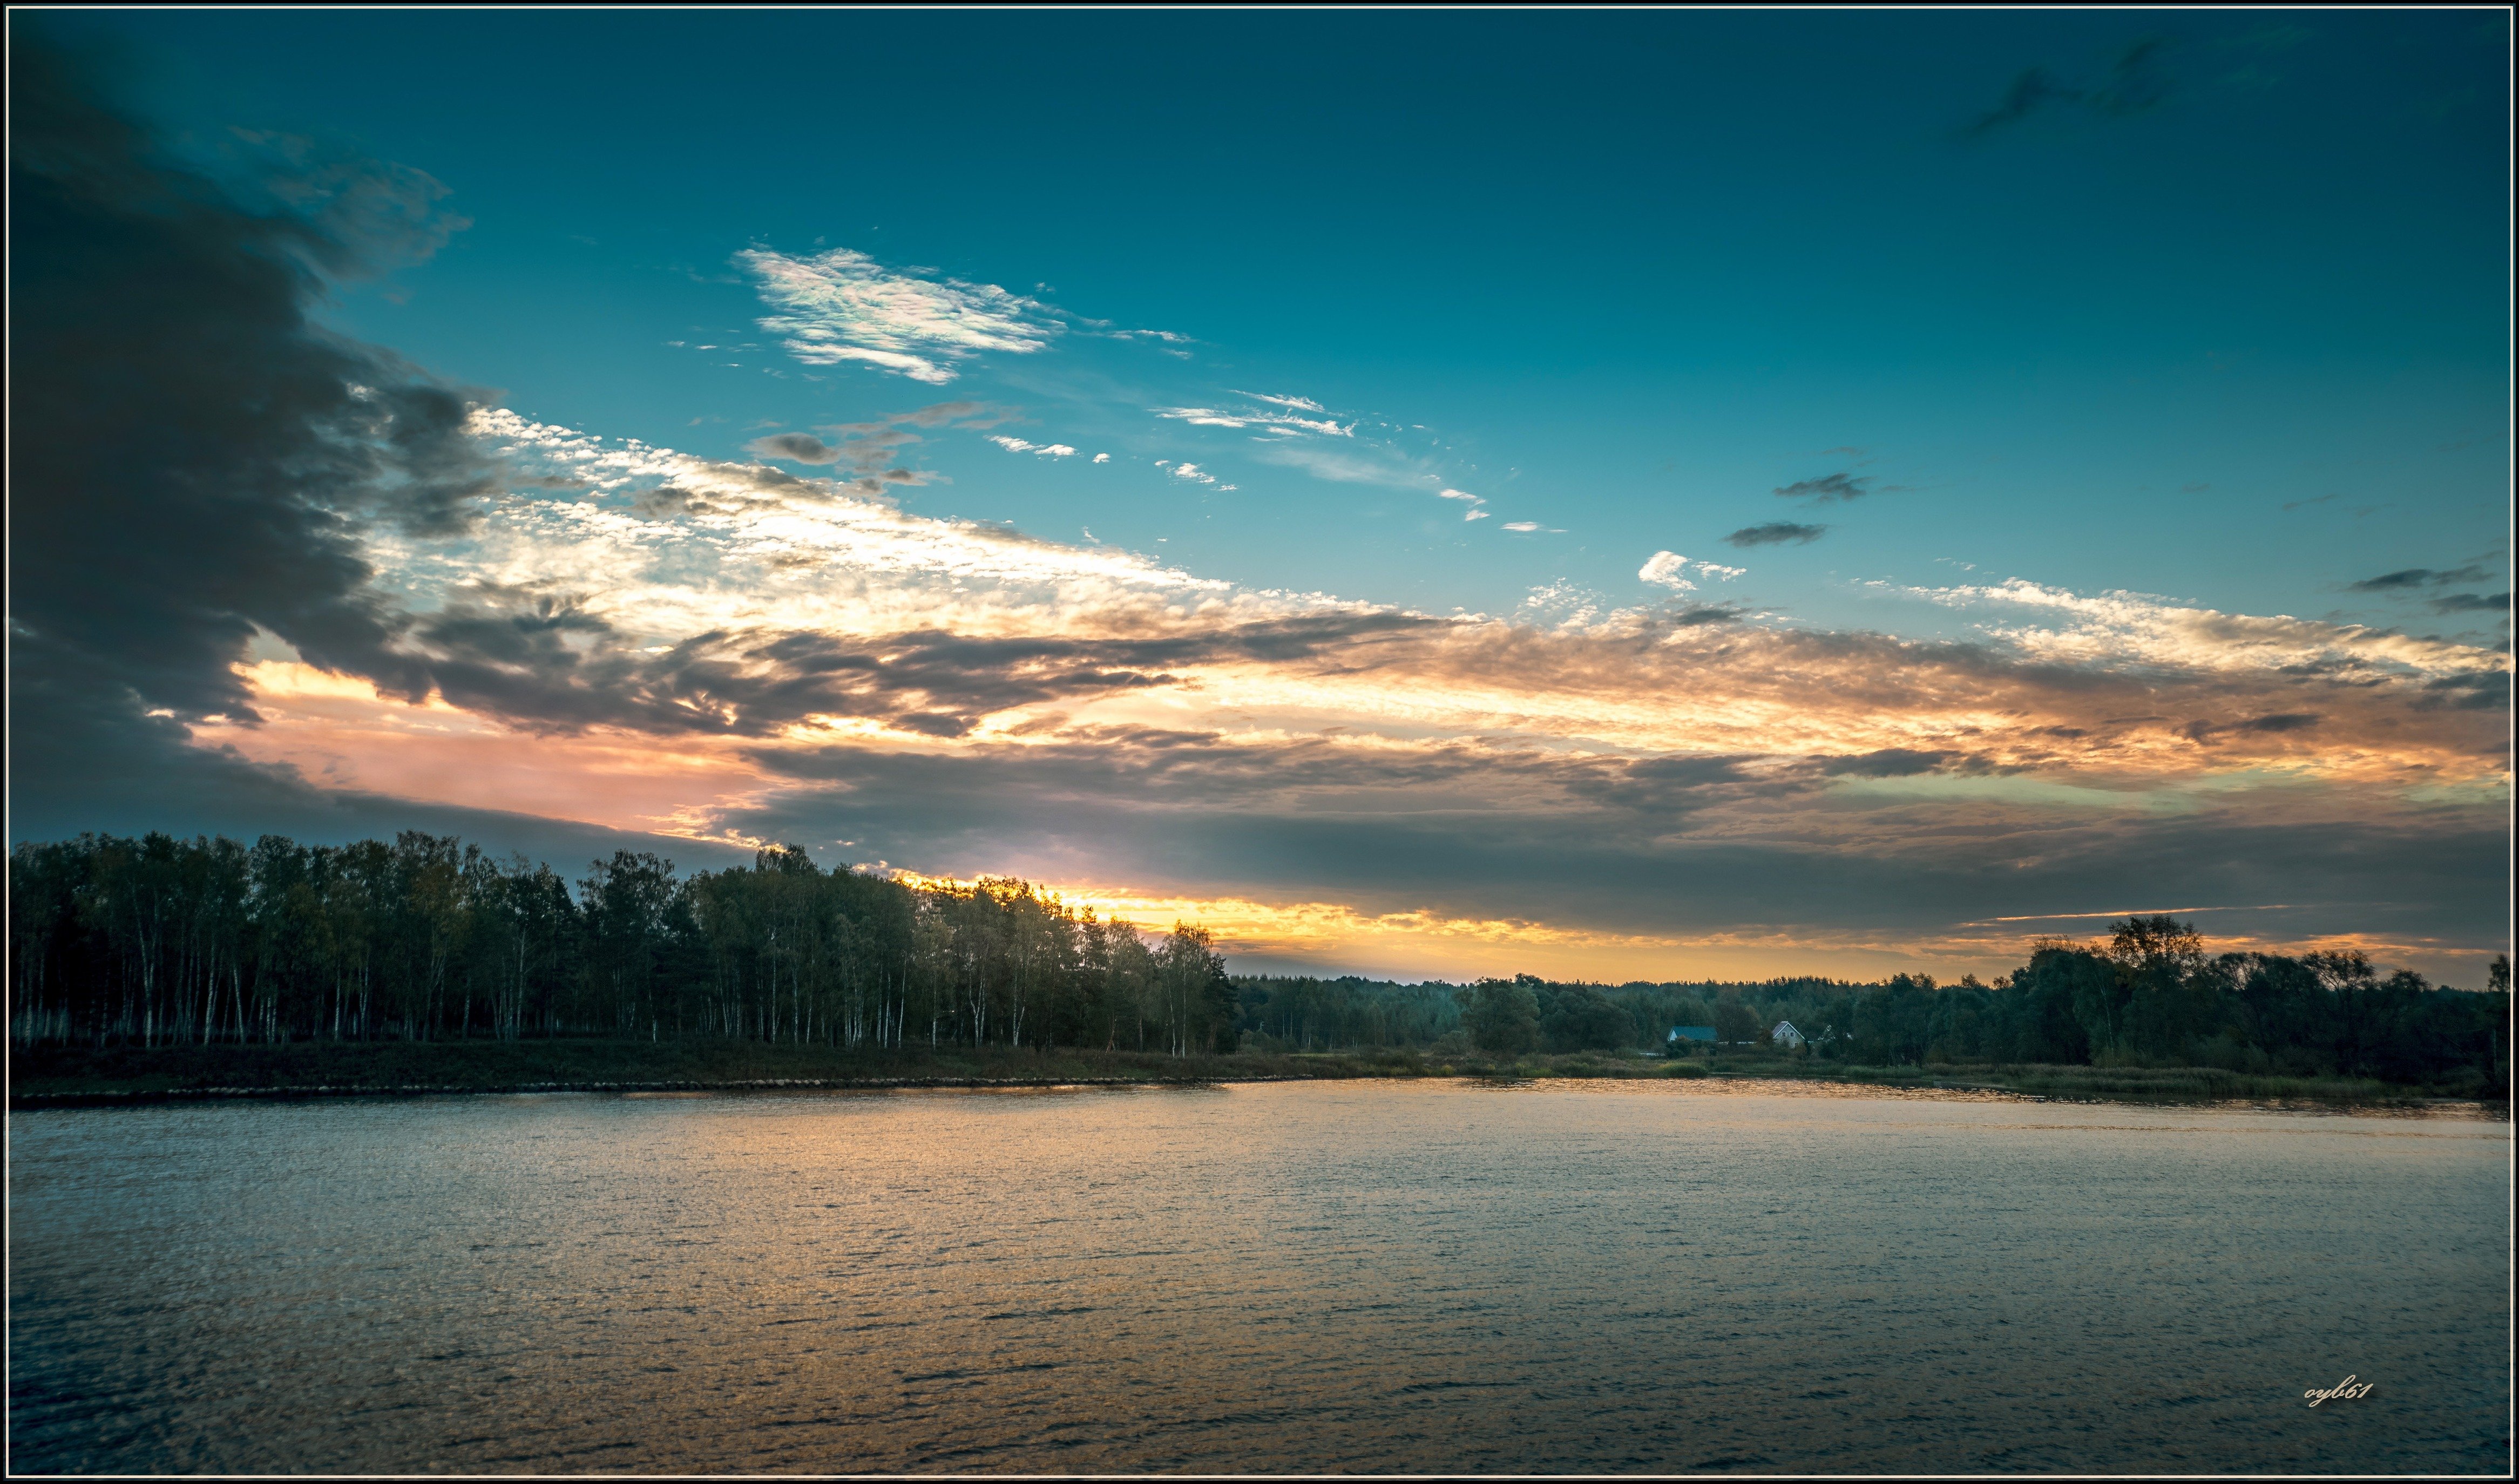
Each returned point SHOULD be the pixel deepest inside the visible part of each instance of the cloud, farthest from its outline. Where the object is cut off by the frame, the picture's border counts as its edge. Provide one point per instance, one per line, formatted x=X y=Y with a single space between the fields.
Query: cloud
x=1280 y=420
x=2133 y=84
x=157 y=304
x=1020 y=446
x=1827 y=487
x=1775 y=532
x=2474 y=602
x=1520 y=527
x=870 y=452
x=1886 y=763
x=801 y=447
x=1363 y=463
x=2142 y=630
x=1664 y=568
x=842 y=305
x=2423 y=577
x=967 y=698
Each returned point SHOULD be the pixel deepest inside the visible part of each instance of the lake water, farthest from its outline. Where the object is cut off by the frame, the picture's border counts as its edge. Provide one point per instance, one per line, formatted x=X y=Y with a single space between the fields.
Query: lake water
x=1379 y=1276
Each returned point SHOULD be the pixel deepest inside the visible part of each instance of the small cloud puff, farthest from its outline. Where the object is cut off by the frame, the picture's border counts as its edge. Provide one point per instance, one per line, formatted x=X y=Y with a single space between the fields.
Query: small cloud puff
x=1663 y=568
x=1194 y=475
x=1101 y=458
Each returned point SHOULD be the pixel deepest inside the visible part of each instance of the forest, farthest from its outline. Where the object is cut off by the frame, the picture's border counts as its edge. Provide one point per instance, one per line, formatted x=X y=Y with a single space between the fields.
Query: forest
x=166 y=942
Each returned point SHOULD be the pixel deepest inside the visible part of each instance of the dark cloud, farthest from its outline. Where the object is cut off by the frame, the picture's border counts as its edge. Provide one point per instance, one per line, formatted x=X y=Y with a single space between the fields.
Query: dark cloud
x=2414 y=577
x=2203 y=732
x=2133 y=84
x=1888 y=763
x=543 y=662
x=803 y=448
x=1202 y=815
x=867 y=450
x=2475 y=691
x=1775 y=532
x=2474 y=602
x=2030 y=92
x=82 y=759
x=192 y=454
x=1828 y=487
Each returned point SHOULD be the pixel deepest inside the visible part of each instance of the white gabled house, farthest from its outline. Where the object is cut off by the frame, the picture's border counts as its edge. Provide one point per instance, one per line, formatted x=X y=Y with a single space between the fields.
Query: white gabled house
x=1787 y=1036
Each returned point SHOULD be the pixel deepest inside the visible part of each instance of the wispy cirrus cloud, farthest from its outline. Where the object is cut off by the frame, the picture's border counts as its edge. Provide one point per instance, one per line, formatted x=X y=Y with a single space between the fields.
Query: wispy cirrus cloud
x=1281 y=415
x=842 y=305
x=1025 y=446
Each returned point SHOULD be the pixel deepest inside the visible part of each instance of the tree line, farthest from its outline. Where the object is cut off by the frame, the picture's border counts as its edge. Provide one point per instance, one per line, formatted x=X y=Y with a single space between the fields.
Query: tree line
x=2149 y=994
x=166 y=942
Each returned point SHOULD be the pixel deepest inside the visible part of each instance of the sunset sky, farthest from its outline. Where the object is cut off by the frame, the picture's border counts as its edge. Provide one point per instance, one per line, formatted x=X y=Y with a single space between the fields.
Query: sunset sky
x=1605 y=494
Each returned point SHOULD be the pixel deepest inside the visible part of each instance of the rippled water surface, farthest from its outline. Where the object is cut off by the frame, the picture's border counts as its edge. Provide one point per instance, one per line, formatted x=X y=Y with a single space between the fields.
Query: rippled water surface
x=1410 y=1276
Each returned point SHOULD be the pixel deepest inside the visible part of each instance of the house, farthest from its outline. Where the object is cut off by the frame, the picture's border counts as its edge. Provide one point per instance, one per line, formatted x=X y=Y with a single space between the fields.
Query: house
x=1787 y=1036
x=1679 y=1033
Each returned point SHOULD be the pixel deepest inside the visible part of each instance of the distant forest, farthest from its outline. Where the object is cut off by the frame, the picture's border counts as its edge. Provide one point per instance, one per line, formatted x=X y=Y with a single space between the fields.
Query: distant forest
x=164 y=941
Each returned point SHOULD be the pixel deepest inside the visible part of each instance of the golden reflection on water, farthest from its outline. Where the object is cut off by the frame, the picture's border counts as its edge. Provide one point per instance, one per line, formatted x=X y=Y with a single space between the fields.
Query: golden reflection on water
x=1394 y=1275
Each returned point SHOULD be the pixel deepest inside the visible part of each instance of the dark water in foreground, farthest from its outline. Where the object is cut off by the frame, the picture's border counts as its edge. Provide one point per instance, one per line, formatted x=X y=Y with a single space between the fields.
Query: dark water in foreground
x=1353 y=1277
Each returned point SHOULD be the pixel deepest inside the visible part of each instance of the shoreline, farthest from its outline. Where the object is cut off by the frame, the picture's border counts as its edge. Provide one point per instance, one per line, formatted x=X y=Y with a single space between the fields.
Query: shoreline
x=53 y=1077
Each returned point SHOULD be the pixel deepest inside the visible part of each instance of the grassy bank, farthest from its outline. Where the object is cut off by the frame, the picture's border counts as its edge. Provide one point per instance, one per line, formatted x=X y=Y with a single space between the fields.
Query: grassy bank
x=45 y=1074
x=54 y=1075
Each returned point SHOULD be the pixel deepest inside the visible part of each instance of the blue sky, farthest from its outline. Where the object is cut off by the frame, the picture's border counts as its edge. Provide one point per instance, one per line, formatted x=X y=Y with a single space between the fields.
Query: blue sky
x=1631 y=273
x=2208 y=308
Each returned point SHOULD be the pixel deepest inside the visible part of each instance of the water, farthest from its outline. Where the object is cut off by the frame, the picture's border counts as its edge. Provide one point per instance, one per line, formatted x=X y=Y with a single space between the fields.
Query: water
x=1396 y=1275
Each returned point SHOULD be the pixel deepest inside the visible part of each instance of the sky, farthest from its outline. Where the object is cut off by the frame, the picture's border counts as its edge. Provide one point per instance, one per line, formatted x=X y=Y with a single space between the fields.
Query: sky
x=1607 y=495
